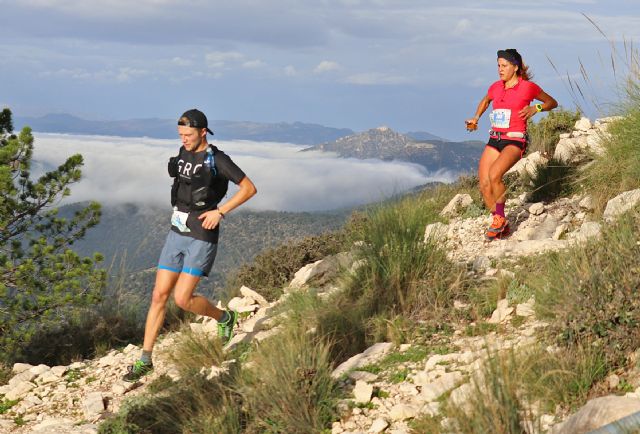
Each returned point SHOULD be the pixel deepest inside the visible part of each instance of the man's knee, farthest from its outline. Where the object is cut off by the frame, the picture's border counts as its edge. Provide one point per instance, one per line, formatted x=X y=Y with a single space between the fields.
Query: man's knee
x=159 y=296
x=183 y=301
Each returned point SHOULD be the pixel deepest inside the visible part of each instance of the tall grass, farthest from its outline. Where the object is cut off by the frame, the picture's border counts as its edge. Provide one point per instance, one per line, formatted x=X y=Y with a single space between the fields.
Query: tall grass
x=551 y=181
x=289 y=389
x=400 y=273
x=590 y=292
x=194 y=405
x=618 y=170
x=514 y=388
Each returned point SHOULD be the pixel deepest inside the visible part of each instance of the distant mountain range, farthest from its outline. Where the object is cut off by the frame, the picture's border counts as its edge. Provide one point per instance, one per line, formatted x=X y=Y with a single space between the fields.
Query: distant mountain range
x=385 y=144
x=295 y=132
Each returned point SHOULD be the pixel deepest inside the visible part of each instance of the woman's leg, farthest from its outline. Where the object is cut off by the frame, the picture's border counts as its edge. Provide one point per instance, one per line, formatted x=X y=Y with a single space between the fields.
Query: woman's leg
x=489 y=156
x=505 y=161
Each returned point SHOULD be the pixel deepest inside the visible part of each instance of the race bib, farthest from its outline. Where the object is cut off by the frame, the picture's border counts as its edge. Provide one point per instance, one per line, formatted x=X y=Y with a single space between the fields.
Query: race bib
x=179 y=220
x=500 y=118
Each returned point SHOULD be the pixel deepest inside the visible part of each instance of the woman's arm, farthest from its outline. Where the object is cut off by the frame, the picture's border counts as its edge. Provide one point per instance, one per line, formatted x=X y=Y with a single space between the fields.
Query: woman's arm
x=472 y=123
x=548 y=103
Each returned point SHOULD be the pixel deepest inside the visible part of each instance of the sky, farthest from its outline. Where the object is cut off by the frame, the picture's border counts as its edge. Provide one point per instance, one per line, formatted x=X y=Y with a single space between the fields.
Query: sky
x=117 y=169
x=413 y=65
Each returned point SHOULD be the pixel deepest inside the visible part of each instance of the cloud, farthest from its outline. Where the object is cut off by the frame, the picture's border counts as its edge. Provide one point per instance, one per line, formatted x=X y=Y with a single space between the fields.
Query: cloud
x=219 y=59
x=120 y=170
x=253 y=64
x=377 y=78
x=290 y=71
x=326 y=66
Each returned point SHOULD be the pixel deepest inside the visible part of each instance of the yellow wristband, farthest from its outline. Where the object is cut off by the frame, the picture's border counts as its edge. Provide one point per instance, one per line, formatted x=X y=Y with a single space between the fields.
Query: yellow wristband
x=538 y=107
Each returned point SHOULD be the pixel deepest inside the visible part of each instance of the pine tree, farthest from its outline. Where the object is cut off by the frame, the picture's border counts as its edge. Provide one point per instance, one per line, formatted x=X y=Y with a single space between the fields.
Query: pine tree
x=42 y=281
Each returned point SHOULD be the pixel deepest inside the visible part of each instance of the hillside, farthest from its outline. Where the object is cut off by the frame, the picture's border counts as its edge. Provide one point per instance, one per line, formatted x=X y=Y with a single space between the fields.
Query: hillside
x=420 y=326
x=131 y=238
x=471 y=363
x=385 y=144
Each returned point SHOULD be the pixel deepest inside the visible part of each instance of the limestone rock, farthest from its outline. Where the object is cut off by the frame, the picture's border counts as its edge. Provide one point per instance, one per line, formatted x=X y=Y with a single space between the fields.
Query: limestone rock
x=378 y=426
x=19 y=368
x=481 y=263
x=525 y=309
x=583 y=124
x=457 y=204
x=586 y=231
x=621 y=203
x=536 y=208
x=565 y=150
x=320 y=272
x=370 y=355
x=19 y=390
x=237 y=302
x=597 y=413
x=460 y=396
x=250 y=293
x=586 y=203
x=435 y=231
x=501 y=313
x=362 y=392
x=433 y=391
x=363 y=376
x=403 y=412
x=529 y=165
x=93 y=405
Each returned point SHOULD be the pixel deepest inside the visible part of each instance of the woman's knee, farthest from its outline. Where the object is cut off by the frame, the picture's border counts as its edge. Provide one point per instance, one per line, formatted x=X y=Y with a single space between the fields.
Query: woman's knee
x=495 y=177
x=484 y=185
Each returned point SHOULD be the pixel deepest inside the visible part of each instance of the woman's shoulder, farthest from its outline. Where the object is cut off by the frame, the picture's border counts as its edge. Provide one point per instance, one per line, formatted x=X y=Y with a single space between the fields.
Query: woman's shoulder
x=499 y=84
x=529 y=84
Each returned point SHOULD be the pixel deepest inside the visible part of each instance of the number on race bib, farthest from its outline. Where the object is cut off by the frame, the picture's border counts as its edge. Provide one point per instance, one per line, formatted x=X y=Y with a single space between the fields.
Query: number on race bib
x=500 y=118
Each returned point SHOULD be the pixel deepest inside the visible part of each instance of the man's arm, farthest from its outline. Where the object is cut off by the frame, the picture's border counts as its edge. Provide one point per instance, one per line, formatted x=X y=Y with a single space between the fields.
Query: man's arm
x=210 y=219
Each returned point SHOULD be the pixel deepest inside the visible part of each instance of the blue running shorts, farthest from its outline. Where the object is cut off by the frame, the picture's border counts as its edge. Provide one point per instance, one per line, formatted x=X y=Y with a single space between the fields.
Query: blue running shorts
x=183 y=254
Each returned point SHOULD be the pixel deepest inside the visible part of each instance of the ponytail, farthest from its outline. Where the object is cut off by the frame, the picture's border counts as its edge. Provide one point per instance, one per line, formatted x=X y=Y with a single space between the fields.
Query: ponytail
x=524 y=72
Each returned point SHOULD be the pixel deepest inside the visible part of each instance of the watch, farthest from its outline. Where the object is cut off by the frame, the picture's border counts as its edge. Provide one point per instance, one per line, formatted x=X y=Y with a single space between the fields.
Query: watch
x=538 y=107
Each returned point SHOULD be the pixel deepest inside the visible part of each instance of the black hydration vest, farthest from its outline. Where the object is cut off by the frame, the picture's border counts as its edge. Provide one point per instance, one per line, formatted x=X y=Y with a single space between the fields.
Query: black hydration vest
x=205 y=188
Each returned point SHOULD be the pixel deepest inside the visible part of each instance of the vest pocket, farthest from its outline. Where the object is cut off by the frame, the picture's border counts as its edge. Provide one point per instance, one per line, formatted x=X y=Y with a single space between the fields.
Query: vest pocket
x=199 y=197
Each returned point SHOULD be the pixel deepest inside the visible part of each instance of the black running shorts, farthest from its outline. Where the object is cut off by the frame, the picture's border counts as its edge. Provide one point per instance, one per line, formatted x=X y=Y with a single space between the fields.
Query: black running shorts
x=501 y=144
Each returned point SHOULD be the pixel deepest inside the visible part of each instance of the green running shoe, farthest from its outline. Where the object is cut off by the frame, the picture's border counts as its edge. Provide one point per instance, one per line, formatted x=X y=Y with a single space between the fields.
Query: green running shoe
x=138 y=370
x=225 y=329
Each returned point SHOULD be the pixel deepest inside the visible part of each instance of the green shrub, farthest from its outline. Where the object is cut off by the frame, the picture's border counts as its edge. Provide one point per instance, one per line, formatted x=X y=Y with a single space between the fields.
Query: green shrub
x=544 y=134
x=5 y=374
x=554 y=179
x=275 y=267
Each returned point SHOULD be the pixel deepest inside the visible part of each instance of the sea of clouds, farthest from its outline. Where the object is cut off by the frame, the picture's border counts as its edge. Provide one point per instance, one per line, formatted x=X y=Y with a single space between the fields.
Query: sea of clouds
x=121 y=170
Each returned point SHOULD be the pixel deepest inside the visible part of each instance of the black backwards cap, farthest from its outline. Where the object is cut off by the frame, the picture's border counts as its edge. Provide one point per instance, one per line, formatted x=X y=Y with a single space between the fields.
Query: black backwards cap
x=511 y=55
x=196 y=118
